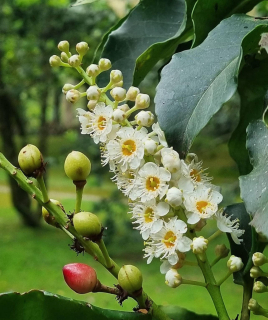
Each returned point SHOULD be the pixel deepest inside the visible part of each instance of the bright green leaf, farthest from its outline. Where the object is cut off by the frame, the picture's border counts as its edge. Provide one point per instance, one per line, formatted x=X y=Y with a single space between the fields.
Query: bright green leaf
x=207 y=14
x=197 y=82
x=254 y=186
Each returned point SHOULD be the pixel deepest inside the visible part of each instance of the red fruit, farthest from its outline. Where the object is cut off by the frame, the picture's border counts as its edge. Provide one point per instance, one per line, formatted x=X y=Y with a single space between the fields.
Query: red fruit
x=80 y=277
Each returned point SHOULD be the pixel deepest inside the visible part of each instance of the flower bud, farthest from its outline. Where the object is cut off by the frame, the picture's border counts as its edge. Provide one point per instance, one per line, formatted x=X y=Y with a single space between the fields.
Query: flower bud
x=77 y=166
x=118 y=115
x=118 y=84
x=30 y=159
x=93 y=70
x=105 y=64
x=199 y=245
x=170 y=160
x=132 y=93
x=67 y=87
x=256 y=272
x=92 y=104
x=235 y=264
x=64 y=57
x=116 y=76
x=80 y=277
x=49 y=218
x=64 y=46
x=259 y=259
x=144 y=118
x=93 y=93
x=173 y=278
x=118 y=93
x=191 y=157
x=221 y=250
x=130 y=278
x=150 y=146
x=74 y=61
x=123 y=107
x=174 y=197
x=82 y=48
x=259 y=287
x=55 y=61
x=142 y=101
x=87 y=224
x=253 y=305
x=73 y=95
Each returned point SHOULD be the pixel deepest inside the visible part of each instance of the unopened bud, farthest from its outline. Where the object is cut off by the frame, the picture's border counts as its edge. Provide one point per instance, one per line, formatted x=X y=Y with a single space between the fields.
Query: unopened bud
x=105 y=64
x=259 y=259
x=49 y=218
x=118 y=115
x=82 y=48
x=132 y=93
x=191 y=157
x=144 y=118
x=259 y=287
x=93 y=93
x=93 y=70
x=173 y=278
x=256 y=272
x=222 y=251
x=67 y=87
x=170 y=160
x=80 y=277
x=142 y=101
x=150 y=146
x=235 y=264
x=30 y=159
x=130 y=278
x=118 y=93
x=92 y=104
x=87 y=224
x=73 y=95
x=77 y=166
x=116 y=76
x=64 y=57
x=174 y=197
x=74 y=61
x=55 y=61
x=199 y=245
x=118 y=84
x=256 y=308
x=64 y=46
x=123 y=107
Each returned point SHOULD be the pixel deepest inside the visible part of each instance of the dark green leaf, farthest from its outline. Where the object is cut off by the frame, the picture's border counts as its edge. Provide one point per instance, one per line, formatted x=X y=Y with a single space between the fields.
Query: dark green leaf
x=254 y=186
x=249 y=244
x=252 y=105
x=197 y=82
x=151 y=22
x=41 y=305
x=207 y=14
x=177 y=313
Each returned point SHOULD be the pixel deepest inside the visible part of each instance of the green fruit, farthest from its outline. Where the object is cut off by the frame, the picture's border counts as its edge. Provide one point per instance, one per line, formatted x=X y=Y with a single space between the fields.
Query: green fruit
x=30 y=159
x=77 y=166
x=49 y=218
x=130 y=278
x=87 y=224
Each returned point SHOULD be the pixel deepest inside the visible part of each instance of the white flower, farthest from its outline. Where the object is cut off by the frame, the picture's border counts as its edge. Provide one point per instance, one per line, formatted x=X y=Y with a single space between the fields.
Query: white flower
x=225 y=224
x=127 y=149
x=202 y=203
x=170 y=160
x=104 y=64
x=235 y=264
x=151 y=182
x=144 y=118
x=199 y=245
x=174 y=197
x=169 y=240
x=161 y=136
x=125 y=180
x=198 y=174
x=85 y=119
x=148 y=216
x=173 y=278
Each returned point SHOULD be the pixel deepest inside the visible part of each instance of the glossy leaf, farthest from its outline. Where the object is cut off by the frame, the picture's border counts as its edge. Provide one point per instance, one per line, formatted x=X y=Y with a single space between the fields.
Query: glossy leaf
x=150 y=22
x=252 y=105
x=254 y=186
x=197 y=82
x=215 y=11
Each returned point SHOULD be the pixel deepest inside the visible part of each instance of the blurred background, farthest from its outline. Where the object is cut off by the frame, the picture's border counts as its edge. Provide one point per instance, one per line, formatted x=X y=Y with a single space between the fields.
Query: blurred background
x=34 y=110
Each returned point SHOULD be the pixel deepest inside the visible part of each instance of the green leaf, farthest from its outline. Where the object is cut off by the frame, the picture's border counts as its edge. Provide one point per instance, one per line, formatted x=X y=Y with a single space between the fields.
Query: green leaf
x=254 y=186
x=197 y=82
x=80 y=2
x=252 y=106
x=177 y=313
x=41 y=305
x=249 y=244
x=150 y=22
x=207 y=14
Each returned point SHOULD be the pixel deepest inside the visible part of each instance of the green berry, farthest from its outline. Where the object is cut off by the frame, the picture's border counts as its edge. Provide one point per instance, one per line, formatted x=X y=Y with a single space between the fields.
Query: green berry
x=130 y=278
x=49 y=218
x=87 y=224
x=77 y=166
x=30 y=159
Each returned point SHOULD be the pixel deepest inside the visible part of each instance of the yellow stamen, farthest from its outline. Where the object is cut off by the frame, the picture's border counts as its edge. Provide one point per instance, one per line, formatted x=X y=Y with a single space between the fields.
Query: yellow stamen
x=201 y=206
x=128 y=147
x=169 y=239
x=152 y=183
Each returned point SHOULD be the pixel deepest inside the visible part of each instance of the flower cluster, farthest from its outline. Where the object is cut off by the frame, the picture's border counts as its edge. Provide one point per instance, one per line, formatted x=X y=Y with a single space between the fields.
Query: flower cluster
x=168 y=196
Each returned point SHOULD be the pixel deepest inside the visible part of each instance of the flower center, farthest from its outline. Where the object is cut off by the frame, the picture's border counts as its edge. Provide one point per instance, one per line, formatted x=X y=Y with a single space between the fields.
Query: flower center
x=101 y=123
x=195 y=175
x=152 y=183
x=148 y=215
x=169 y=239
x=128 y=147
x=201 y=206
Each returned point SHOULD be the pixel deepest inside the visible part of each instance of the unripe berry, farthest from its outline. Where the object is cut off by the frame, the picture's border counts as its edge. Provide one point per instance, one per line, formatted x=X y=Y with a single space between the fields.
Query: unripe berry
x=77 y=166
x=132 y=93
x=118 y=93
x=93 y=70
x=87 y=224
x=30 y=159
x=49 y=217
x=82 y=48
x=105 y=64
x=116 y=76
x=130 y=278
x=93 y=93
x=142 y=101
x=64 y=46
x=80 y=277
x=55 y=61
x=73 y=95
x=74 y=61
